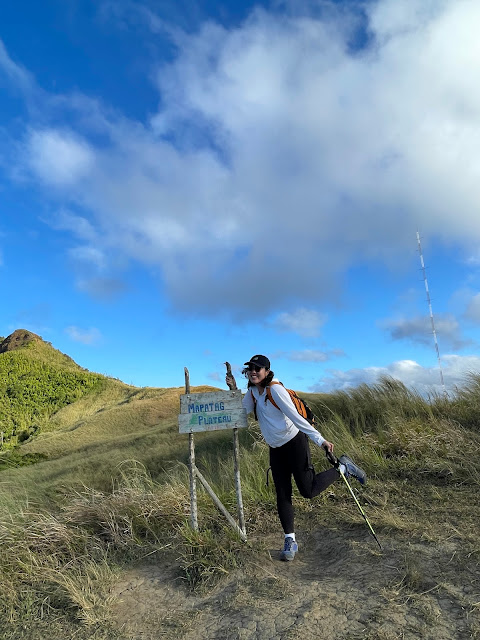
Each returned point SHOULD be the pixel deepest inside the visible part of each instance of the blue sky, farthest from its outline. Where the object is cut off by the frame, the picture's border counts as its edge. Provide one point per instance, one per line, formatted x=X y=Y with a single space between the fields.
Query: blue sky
x=184 y=183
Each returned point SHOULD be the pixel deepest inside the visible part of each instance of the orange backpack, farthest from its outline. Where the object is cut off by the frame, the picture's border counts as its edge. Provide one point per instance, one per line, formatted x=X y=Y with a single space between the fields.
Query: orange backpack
x=300 y=405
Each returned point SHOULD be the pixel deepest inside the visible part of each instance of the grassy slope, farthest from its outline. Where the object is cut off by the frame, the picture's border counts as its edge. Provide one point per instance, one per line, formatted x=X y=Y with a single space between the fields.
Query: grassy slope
x=36 y=380
x=86 y=441
x=81 y=424
x=421 y=460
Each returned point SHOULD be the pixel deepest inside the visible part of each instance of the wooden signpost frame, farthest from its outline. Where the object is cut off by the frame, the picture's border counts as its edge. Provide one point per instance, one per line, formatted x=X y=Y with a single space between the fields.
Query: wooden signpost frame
x=194 y=473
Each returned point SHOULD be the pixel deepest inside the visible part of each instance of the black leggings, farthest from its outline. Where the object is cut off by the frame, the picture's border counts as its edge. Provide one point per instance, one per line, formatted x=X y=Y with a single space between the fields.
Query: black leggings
x=293 y=458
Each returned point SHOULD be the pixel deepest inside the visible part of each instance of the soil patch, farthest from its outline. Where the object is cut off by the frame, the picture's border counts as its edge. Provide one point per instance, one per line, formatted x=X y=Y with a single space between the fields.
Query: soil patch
x=339 y=585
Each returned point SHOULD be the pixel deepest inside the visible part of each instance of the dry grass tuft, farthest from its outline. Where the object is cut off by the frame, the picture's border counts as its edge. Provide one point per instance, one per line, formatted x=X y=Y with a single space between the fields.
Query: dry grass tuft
x=59 y=559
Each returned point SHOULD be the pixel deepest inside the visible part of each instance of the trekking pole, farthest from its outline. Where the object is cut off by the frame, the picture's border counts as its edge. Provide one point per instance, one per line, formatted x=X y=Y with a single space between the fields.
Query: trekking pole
x=334 y=461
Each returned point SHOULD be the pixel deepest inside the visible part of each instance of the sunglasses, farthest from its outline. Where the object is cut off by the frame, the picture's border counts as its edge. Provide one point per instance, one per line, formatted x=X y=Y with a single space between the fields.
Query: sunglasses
x=254 y=367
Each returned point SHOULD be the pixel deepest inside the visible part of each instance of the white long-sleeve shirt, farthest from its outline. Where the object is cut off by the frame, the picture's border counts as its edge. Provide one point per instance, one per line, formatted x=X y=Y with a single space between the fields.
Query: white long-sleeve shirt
x=279 y=426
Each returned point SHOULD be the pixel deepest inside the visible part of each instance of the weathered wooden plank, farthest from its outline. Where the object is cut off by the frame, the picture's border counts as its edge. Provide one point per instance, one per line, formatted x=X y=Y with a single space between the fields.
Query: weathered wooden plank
x=212 y=421
x=213 y=401
x=238 y=485
x=211 y=411
x=209 y=490
x=191 y=466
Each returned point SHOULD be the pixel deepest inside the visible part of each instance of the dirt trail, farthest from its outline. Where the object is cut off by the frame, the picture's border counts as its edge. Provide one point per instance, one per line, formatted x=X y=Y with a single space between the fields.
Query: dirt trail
x=339 y=585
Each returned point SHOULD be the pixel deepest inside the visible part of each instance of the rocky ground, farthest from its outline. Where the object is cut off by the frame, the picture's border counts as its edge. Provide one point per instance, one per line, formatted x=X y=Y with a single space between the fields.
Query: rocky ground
x=340 y=585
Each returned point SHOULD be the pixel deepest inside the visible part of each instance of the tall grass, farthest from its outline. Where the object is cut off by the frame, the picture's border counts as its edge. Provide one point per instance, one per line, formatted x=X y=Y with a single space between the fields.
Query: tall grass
x=371 y=408
x=86 y=441
x=393 y=429
x=464 y=404
x=59 y=560
x=62 y=563
x=49 y=565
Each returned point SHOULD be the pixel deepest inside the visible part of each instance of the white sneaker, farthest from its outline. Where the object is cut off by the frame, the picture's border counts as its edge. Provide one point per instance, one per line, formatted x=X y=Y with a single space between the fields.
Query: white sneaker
x=289 y=550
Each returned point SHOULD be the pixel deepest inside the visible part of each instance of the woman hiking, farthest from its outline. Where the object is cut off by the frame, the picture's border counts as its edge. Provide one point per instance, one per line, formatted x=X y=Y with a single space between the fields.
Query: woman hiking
x=286 y=432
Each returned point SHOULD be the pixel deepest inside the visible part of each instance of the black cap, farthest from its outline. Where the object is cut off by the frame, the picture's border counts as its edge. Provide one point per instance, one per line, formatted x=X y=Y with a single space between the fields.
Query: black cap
x=260 y=361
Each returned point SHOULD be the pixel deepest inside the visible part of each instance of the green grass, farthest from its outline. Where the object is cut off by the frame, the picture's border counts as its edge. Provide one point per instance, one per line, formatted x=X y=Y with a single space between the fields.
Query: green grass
x=86 y=441
x=114 y=488
x=35 y=382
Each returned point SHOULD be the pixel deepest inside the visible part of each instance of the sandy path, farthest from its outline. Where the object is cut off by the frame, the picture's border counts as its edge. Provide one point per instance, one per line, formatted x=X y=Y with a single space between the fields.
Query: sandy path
x=339 y=585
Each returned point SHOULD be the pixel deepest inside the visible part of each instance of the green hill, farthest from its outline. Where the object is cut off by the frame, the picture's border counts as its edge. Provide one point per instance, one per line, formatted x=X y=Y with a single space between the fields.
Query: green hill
x=77 y=426
x=36 y=381
x=107 y=503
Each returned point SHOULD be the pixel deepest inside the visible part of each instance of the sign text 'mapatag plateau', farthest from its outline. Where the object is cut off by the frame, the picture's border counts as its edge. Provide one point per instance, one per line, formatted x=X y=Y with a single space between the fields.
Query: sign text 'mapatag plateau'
x=211 y=411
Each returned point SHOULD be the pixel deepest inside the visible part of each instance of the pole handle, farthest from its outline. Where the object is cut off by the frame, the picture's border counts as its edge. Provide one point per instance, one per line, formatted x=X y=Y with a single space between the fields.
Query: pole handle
x=331 y=458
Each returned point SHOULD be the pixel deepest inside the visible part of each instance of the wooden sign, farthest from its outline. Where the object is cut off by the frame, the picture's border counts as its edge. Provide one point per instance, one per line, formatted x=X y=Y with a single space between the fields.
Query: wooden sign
x=211 y=411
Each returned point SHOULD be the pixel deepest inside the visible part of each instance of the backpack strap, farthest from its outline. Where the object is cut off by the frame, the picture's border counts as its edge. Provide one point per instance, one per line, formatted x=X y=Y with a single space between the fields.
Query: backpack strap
x=299 y=404
x=269 y=394
x=254 y=405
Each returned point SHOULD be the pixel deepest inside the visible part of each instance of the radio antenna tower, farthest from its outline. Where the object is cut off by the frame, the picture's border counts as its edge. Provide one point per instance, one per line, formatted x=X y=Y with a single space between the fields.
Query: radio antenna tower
x=431 y=313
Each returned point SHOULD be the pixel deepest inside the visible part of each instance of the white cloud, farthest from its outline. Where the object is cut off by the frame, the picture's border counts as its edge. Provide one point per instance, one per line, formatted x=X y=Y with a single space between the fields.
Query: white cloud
x=78 y=225
x=424 y=379
x=17 y=76
x=304 y=322
x=90 y=256
x=419 y=330
x=391 y=18
x=85 y=336
x=472 y=311
x=127 y=13
x=280 y=158
x=473 y=259
x=309 y=355
x=59 y=158
x=102 y=288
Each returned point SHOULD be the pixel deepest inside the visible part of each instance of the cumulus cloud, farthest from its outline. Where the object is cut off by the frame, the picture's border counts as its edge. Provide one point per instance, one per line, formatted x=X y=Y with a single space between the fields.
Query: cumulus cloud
x=304 y=322
x=419 y=330
x=65 y=220
x=473 y=259
x=15 y=74
x=103 y=289
x=90 y=256
x=128 y=13
x=94 y=273
x=280 y=150
x=472 y=311
x=58 y=158
x=85 y=336
x=309 y=355
x=424 y=379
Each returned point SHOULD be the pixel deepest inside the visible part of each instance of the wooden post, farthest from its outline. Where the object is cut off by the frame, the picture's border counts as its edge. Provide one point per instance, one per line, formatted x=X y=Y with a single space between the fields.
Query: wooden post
x=238 y=485
x=209 y=412
x=192 y=468
x=236 y=458
x=240 y=530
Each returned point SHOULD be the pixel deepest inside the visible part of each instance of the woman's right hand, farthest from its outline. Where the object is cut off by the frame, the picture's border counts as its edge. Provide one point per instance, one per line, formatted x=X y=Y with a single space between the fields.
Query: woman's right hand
x=328 y=446
x=230 y=380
